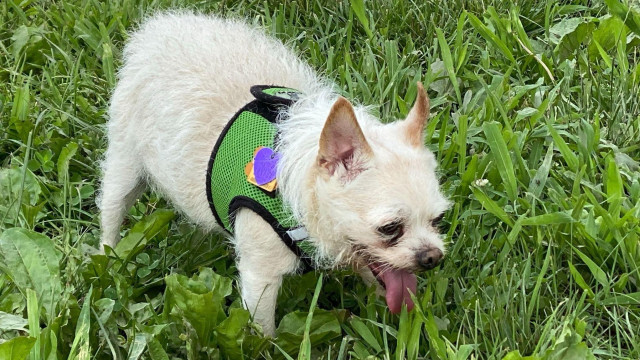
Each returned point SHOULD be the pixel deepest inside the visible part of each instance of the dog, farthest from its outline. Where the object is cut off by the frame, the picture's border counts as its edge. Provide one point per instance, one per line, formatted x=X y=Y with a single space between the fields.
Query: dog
x=359 y=192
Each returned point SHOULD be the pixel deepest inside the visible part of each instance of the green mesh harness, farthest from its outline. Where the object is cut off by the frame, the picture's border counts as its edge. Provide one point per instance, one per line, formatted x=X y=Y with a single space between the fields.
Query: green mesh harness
x=228 y=187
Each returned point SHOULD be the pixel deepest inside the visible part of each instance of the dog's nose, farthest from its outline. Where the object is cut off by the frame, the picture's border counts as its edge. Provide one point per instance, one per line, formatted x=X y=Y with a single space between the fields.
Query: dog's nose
x=428 y=259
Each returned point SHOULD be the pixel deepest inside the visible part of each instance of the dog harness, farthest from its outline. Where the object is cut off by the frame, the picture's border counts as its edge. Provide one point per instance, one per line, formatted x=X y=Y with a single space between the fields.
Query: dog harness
x=242 y=169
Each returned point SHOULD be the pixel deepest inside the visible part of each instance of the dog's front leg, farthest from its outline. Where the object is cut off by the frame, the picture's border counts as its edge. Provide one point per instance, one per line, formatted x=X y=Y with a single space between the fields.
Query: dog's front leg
x=259 y=294
x=263 y=260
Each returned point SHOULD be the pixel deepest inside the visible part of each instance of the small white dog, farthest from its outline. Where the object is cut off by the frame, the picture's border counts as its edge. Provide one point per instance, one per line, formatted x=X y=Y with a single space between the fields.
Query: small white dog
x=352 y=191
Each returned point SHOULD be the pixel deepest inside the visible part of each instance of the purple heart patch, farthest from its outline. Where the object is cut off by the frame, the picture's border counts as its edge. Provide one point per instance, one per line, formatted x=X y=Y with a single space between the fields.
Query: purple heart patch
x=264 y=165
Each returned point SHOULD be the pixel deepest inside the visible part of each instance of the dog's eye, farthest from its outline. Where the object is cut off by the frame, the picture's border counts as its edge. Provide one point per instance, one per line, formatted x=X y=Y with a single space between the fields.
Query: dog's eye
x=394 y=230
x=391 y=228
x=436 y=221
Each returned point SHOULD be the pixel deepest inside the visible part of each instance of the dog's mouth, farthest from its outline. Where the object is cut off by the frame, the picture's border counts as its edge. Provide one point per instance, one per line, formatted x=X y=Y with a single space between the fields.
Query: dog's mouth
x=398 y=283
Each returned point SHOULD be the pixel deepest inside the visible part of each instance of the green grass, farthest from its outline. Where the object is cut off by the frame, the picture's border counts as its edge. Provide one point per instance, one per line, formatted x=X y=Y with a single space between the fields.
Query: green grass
x=536 y=127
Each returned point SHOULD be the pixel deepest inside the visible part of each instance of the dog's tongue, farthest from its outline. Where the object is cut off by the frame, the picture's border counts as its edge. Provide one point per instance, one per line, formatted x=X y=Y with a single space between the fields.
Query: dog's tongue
x=398 y=284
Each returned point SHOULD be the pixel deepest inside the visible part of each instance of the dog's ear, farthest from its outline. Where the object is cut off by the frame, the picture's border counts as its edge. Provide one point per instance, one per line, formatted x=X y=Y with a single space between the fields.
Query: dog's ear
x=342 y=142
x=417 y=119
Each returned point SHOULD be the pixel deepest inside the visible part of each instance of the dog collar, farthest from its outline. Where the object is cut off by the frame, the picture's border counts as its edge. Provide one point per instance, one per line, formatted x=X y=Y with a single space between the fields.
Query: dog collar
x=242 y=170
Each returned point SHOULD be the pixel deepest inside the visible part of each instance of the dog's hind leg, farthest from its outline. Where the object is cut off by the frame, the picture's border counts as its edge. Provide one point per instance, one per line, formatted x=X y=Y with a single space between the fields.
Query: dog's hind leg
x=121 y=185
x=263 y=260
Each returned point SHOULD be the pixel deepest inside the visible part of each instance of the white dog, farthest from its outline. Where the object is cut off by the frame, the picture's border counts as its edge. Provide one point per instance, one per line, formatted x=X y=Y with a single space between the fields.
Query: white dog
x=354 y=191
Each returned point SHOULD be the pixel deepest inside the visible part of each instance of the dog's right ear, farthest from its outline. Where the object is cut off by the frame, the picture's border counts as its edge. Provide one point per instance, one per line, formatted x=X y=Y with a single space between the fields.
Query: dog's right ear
x=417 y=118
x=342 y=142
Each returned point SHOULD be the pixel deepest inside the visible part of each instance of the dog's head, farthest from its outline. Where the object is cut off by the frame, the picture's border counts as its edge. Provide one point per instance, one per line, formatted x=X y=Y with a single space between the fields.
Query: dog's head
x=377 y=188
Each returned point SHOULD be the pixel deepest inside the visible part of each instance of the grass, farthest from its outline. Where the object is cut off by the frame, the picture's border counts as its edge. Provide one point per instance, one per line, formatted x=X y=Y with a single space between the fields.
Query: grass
x=535 y=124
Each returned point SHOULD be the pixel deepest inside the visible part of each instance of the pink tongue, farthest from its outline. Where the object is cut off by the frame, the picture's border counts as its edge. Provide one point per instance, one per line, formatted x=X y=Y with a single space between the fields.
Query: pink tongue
x=398 y=284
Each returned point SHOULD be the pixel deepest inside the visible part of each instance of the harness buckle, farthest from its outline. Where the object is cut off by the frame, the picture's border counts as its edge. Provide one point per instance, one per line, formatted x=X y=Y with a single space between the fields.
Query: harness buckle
x=298 y=234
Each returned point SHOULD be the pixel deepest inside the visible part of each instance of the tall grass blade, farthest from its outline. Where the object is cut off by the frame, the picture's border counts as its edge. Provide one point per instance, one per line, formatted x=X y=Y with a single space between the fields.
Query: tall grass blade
x=33 y=312
x=305 y=346
x=448 y=63
x=80 y=349
x=490 y=36
x=502 y=158
x=491 y=206
x=358 y=8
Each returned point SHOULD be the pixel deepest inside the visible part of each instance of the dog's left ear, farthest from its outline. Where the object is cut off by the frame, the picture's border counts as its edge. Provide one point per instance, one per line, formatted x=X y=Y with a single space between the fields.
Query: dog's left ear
x=342 y=142
x=417 y=119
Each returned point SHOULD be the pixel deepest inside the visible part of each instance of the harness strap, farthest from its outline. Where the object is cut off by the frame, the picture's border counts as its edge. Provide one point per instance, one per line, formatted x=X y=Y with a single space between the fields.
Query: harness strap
x=285 y=234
